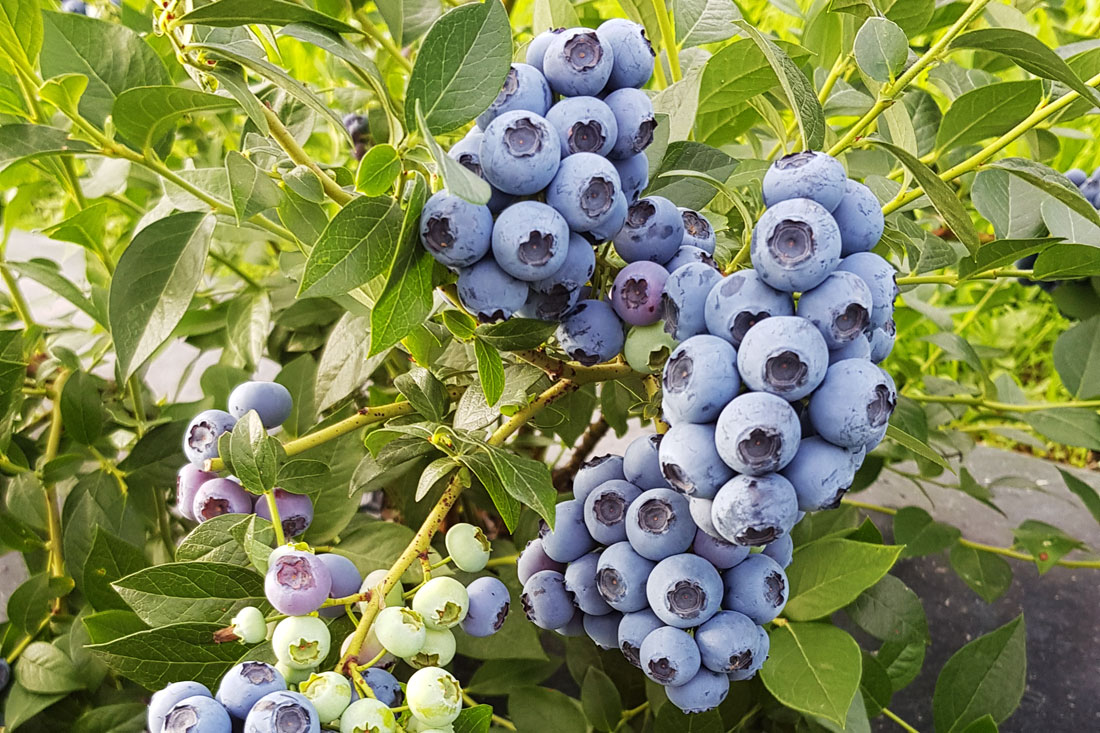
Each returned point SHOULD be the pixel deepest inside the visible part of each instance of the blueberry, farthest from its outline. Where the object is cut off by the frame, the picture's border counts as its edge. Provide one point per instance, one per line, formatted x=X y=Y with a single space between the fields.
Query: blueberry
x=688 y=254
x=859 y=218
x=295 y=511
x=605 y=510
x=853 y=403
x=634 y=116
x=594 y=472
x=603 y=630
x=1090 y=189
x=455 y=232
x=385 y=686
x=700 y=510
x=658 y=524
x=882 y=341
x=718 y=552
x=574 y=627
x=74 y=6
x=613 y=222
x=1077 y=176
x=584 y=190
x=621 y=576
x=520 y=153
x=758 y=433
x=467 y=151
x=198 y=713
x=689 y=461
x=271 y=401
x=755 y=510
x=546 y=601
x=370 y=583
x=647 y=348
x=756 y=587
x=358 y=127
x=634 y=55
x=580 y=580
x=345 y=581
x=585 y=125
x=700 y=378
x=569 y=539
x=857 y=348
x=783 y=355
x=329 y=692
x=728 y=642
x=200 y=439
x=368 y=716
x=591 y=333
x=297 y=583
x=530 y=240
x=763 y=645
x=401 y=631
x=468 y=547
x=577 y=63
x=439 y=648
x=633 y=175
x=220 y=496
x=188 y=481
x=739 y=302
x=633 y=629
x=795 y=245
x=642 y=463
x=781 y=549
x=536 y=49
x=165 y=699
x=442 y=601
x=705 y=691
x=434 y=697
x=524 y=89
x=243 y=685
x=653 y=231
x=684 y=590
x=840 y=307
x=669 y=656
x=806 y=175
x=880 y=276
x=684 y=300
x=489 y=292
x=636 y=292
x=698 y=231
x=489 y=604
x=283 y=712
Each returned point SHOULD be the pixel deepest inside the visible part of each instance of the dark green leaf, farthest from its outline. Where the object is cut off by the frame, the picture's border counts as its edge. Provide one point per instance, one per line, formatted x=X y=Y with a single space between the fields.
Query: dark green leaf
x=890 y=611
x=427 y=394
x=902 y=661
x=86 y=227
x=29 y=604
x=110 y=559
x=985 y=724
x=476 y=719
x=21 y=32
x=108 y=625
x=490 y=371
x=345 y=365
x=1077 y=359
x=128 y=717
x=1067 y=425
x=252 y=454
x=987 y=111
x=49 y=275
x=457 y=178
x=24 y=142
x=1049 y=181
x=920 y=448
x=499 y=677
x=985 y=677
x=377 y=170
x=881 y=49
x=212 y=542
x=814 y=668
x=298 y=377
x=483 y=468
x=1067 y=262
x=699 y=22
x=22 y=705
x=600 y=700
x=1084 y=492
x=526 y=479
x=688 y=155
x=251 y=190
x=535 y=709
x=671 y=720
x=356 y=246
x=827 y=575
x=1046 y=544
x=922 y=535
x=144 y=115
x=233 y=13
x=1002 y=252
x=987 y=574
x=82 y=408
x=875 y=684
x=516 y=334
x=191 y=591
x=46 y=670
x=255 y=535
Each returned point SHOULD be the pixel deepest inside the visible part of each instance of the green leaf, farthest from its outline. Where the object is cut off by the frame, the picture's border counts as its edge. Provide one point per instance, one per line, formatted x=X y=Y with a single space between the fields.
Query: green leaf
x=829 y=574
x=1049 y=181
x=86 y=227
x=427 y=394
x=46 y=670
x=110 y=559
x=144 y=115
x=1046 y=544
x=987 y=574
x=526 y=479
x=408 y=20
x=252 y=455
x=692 y=156
x=881 y=49
x=917 y=446
x=255 y=535
x=549 y=14
x=22 y=705
x=902 y=661
x=457 y=178
x=75 y=44
x=922 y=535
x=699 y=22
x=26 y=142
x=875 y=685
x=233 y=13
x=1067 y=425
x=799 y=91
x=377 y=170
x=501 y=676
x=212 y=542
x=64 y=92
x=515 y=334
x=985 y=677
x=538 y=709
x=107 y=625
x=476 y=719
x=985 y=724
x=987 y=111
x=17 y=535
x=814 y=668
x=1008 y=203
x=21 y=31
x=1002 y=252
x=941 y=195
x=460 y=67
x=1084 y=492
x=733 y=75
x=482 y=466
x=118 y=718
x=153 y=284
x=345 y=364
x=490 y=371
x=251 y=190
x=671 y=719
x=303 y=181
x=48 y=274
x=82 y=408
x=1067 y=262
x=600 y=700
x=247 y=326
x=298 y=377
x=355 y=247
x=29 y=604
x=890 y=611
x=191 y=591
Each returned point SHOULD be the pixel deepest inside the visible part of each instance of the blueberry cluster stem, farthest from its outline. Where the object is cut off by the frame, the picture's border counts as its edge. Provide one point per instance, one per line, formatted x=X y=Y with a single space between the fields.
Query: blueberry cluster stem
x=904 y=726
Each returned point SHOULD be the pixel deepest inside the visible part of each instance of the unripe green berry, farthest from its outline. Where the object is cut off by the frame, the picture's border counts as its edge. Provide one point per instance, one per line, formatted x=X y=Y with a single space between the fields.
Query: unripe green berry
x=368 y=716
x=250 y=625
x=468 y=547
x=415 y=725
x=301 y=642
x=442 y=601
x=438 y=649
x=647 y=347
x=330 y=693
x=434 y=696
x=395 y=597
x=401 y=630
x=292 y=675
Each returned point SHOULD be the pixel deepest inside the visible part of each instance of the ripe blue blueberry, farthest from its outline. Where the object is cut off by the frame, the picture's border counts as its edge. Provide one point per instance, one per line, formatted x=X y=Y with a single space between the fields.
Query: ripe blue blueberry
x=489 y=604
x=524 y=89
x=551 y=306
x=530 y=240
x=705 y=691
x=575 y=627
x=763 y=645
x=653 y=231
x=612 y=222
x=569 y=539
x=603 y=630
x=755 y=510
x=591 y=333
x=489 y=292
x=840 y=307
x=533 y=559
x=781 y=549
x=882 y=341
x=605 y=510
x=577 y=63
x=783 y=355
x=584 y=191
x=585 y=125
x=642 y=463
x=243 y=685
x=188 y=480
x=805 y=175
x=536 y=49
x=700 y=510
x=684 y=300
x=658 y=524
x=853 y=403
x=163 y=701
x=594 y=472
x=295 y=511
x=880 y=276
x=739 y=302
x=74 y=6
x=283 y=712
x=636 y=292
x=700 y=378
x=821 y=474
x=795 y=245
x=689 y=461
x=728 y=642
x=345 y=580
x=758 y=433
x=633 y=175
x=198 y=713
x=669 y=656
x=1077 y=176
x=520 y=153
x=621 y=576
x=467 y=151
x=220 y=496
x=297 y=583
x=717 y=551
x=698 y=231
x=859 y=218
x=857 y=348
x=271 y=401
x=684 y=590
x=756 y=587
x=455 y=232
x=634 y=55
x=634 y=116
x=384 y=685
x=633 y=629
x=358 y=127
x=200 y=439
x=690 y=254
x=580 y=580
x=546 y=601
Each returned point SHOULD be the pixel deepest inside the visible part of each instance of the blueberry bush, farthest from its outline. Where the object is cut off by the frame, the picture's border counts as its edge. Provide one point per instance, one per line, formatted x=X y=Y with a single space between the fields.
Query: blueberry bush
x=312 y=438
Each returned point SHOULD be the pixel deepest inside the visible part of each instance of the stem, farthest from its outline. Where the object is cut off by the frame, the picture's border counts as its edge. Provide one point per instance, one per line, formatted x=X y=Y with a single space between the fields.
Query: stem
x=592 y=435
x=291 y=147
x=53 y=517
x=954 y=280
x=276 y=522
x=233 y=267
x=628 y=714
x=18 y=302
x=1001 y=406
x=383 y=40
x=371 y=663
x=502 y=561
x=905 y=726
x=571 y=371
x=26 y=641
x=668 y=39
x=935 y=351
x=502 y=722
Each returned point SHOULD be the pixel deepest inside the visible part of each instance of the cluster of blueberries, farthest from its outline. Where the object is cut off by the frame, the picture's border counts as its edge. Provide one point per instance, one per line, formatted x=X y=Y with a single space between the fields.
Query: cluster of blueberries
x=303 y=587
x=565 y=176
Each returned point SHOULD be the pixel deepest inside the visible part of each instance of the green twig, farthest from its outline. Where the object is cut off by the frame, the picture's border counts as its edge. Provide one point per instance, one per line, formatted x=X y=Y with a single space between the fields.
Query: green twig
x=668 y=39
x=905 y=726
x=291 y=147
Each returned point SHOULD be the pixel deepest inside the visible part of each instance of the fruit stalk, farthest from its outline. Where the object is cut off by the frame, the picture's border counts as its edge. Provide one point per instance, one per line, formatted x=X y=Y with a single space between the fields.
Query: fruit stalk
x=668 y=39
